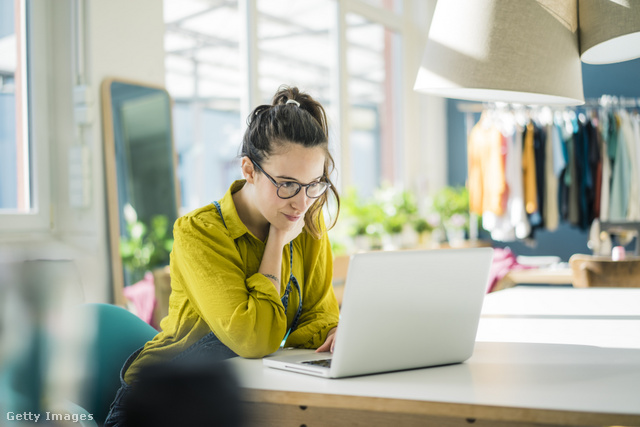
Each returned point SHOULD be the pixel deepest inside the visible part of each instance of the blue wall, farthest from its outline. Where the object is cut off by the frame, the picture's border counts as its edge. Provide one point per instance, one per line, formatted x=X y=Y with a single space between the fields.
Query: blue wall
x=622 y=79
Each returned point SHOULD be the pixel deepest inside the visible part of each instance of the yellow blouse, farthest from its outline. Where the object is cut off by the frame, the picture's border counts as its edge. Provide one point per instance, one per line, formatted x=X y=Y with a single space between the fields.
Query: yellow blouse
x=215 y=286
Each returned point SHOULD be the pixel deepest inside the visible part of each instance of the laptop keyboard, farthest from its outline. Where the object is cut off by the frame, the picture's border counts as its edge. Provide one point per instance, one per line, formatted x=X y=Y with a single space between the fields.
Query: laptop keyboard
x=326 y=363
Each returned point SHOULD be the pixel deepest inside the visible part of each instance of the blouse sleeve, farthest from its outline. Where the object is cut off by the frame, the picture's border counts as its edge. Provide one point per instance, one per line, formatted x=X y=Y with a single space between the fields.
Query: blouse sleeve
x=245 y=313
x=320 y=310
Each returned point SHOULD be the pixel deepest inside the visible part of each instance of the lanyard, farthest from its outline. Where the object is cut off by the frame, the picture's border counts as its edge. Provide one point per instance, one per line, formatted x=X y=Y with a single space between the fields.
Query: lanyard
x=285 y=297
x=287 y=291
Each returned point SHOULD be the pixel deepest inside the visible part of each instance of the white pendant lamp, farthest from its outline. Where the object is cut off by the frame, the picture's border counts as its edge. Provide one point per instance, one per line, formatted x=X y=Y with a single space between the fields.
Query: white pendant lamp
x=517 y=51
x=609 y=30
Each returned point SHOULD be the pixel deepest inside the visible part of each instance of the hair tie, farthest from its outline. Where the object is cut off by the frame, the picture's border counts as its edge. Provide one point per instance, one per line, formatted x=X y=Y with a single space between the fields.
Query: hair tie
x=292 y=101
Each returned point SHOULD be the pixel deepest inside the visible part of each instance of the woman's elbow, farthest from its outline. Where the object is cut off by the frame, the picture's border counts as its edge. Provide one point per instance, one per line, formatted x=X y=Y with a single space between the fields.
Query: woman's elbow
x=261 y=341
x=259 y=336
x=257 y=349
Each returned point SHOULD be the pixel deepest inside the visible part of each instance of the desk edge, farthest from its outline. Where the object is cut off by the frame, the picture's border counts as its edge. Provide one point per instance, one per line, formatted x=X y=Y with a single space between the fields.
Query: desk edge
x=446 y=409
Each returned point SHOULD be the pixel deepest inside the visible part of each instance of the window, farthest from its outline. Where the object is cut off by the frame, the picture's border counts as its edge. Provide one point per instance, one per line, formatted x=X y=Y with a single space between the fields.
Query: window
x=14 y=177
x=204 y=78
x=211 y=78
x=294 y=47
x=24 y=197
x=373 y=65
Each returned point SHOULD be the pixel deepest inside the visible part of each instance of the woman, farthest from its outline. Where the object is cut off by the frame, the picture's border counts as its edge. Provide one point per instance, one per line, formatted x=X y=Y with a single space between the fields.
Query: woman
x=252 y=272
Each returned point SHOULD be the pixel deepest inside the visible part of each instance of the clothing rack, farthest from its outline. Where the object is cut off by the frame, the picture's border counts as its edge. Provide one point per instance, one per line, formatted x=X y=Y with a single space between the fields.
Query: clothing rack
x=587 y=156
x=612 y=101
x=605 y=101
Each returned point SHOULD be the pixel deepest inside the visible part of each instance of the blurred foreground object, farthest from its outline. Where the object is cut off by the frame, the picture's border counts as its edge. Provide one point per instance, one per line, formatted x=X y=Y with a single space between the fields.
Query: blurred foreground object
x=43 y=348
x=117 y=334
x=200 y=393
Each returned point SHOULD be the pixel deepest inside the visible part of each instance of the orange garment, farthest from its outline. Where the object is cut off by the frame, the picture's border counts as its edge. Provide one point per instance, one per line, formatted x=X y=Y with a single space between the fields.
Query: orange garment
x=486 y=169
x=529 y=172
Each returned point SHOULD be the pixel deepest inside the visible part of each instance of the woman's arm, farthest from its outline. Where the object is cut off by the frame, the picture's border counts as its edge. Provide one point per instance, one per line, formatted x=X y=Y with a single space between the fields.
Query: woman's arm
x=271 y=264
x=320 y=310
x=245 y=313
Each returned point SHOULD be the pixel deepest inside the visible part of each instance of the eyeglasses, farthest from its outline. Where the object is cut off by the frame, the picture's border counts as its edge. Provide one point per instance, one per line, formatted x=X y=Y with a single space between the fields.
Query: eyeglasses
x=288 y=189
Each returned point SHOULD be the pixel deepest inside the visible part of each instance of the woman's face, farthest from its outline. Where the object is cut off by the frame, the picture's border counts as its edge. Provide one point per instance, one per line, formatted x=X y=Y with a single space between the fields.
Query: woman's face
x=291 y=162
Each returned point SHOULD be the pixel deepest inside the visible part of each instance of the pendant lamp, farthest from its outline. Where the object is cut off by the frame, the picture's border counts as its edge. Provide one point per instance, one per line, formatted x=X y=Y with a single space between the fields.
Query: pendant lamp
x=516 y=51
x=609 y=30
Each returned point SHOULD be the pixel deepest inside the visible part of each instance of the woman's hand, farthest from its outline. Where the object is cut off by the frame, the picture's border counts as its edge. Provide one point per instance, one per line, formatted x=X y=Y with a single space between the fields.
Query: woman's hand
x=284 y=236
x=271 y=264
x=329 y=343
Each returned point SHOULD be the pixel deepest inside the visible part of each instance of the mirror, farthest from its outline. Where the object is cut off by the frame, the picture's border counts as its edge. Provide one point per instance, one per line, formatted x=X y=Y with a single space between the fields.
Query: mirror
x=140 y=165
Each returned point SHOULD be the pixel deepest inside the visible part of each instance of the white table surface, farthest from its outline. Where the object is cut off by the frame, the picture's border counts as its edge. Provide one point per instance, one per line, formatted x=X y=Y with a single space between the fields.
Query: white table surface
x=541 y=348
x=605 y=317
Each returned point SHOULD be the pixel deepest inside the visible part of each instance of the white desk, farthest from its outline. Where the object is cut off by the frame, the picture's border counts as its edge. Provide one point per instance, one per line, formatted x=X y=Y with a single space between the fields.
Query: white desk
x=605 y=317
x=536 y=363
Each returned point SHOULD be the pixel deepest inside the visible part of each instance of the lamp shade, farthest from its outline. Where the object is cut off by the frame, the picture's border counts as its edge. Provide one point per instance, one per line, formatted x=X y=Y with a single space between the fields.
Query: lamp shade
x=609 y=30
x=522 y=51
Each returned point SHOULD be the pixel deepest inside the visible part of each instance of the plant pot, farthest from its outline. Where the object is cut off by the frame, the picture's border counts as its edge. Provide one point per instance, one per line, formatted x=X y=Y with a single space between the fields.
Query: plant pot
x=455 y=237
x=362 y=243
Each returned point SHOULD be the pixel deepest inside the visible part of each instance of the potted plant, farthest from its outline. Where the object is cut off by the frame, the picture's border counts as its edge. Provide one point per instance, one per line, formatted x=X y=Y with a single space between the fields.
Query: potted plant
x=452 y=203
x=423 y=229
x=400 y=209
x=364 y=220
x=145 y=247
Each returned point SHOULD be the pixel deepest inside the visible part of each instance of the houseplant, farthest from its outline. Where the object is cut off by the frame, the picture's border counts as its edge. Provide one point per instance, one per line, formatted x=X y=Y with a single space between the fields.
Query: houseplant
x=400 y=210
x=145 y=247
x=452 y=204
x=364 y=219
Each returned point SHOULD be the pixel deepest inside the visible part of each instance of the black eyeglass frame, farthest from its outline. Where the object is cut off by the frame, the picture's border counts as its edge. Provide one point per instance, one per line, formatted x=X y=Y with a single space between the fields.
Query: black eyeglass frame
x=279 y=185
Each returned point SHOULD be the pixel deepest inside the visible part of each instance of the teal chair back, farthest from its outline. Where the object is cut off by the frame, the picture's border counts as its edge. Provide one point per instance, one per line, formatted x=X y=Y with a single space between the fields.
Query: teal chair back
x=118 y=334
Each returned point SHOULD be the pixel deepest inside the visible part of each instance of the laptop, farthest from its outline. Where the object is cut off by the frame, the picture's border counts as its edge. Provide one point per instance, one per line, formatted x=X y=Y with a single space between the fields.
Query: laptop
x=402 y=310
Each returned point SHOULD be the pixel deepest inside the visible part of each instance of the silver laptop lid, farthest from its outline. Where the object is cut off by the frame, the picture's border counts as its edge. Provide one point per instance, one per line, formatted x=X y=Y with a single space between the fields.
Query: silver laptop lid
x=410 y=309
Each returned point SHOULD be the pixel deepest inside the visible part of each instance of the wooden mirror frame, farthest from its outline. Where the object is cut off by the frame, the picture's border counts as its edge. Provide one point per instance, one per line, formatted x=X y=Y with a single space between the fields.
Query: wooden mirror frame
x=111 y=177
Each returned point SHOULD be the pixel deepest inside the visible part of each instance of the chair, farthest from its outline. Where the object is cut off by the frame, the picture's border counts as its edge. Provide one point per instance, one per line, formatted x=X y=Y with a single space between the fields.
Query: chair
x=118 y=333
x=162 y=285
x=340 y=268
x=601 y=271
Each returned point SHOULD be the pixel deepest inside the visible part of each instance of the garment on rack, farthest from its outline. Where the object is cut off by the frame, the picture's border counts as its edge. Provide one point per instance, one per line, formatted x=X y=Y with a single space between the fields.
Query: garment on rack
x=584 y=175
x=633 y=202
x=620 y=185
x=588 y=160
x=605 y=188
x=635 y=124
x=595 y=161
x=529 y=171
x=515 y=205
x=539 y=138
x=486 y=160
x=551 y=218
x=513 y=224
